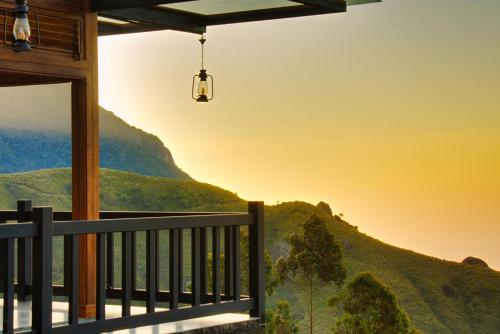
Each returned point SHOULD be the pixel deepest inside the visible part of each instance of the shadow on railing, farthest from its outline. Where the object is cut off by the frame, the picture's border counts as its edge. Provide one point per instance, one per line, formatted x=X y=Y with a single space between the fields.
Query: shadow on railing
x=35 y=230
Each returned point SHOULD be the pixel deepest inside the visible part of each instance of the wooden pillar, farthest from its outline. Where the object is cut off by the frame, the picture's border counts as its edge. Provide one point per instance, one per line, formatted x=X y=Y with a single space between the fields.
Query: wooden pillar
x=71 y=59
x=85 y=135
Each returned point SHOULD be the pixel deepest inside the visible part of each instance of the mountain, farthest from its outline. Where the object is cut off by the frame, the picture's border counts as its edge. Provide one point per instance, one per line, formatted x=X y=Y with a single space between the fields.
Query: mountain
x=35 y=134
x=439 y=296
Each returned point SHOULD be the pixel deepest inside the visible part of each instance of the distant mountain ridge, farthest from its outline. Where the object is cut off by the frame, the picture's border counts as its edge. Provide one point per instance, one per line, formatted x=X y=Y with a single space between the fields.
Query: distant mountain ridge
x=441 y=297
x=35 y=134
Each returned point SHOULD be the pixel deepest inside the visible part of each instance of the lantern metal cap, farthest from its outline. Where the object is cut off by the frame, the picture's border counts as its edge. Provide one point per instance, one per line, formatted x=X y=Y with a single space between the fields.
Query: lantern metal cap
x=202 y=98
x=21 y=46
x=203 y=75
x=202 y=39
x=21 y=7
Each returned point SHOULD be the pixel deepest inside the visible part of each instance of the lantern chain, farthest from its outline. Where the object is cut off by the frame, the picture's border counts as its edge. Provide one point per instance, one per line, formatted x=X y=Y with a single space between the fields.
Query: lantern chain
x=202 y=41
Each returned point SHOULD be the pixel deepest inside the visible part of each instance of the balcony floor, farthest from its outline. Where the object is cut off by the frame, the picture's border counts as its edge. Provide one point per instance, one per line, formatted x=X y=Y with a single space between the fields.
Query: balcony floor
x=22 y=319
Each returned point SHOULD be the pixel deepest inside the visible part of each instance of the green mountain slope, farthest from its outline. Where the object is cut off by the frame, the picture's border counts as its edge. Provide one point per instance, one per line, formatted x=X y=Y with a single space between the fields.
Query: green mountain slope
x=35 y=134
x=119 y=191
x=440 y=296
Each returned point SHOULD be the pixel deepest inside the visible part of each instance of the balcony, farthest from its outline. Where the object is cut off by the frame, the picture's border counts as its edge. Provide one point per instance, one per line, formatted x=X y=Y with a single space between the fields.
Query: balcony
x=29 y=239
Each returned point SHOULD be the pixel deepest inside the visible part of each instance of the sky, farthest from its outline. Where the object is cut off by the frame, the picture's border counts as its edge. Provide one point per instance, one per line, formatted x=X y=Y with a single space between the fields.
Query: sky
x=389 y=112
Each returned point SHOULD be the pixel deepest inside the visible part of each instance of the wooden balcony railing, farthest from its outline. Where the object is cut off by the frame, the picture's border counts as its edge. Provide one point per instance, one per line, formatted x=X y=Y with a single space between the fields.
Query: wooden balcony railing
x=35 y=231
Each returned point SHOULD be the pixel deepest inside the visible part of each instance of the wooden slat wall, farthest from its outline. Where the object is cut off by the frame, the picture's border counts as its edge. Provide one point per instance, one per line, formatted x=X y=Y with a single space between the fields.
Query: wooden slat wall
x=55 y=34
x=62 y=40
x=50 y=31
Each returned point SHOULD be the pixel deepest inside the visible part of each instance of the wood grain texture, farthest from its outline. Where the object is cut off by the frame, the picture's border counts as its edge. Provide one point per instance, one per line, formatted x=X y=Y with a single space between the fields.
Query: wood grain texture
x=85 y=124
x=63 y=35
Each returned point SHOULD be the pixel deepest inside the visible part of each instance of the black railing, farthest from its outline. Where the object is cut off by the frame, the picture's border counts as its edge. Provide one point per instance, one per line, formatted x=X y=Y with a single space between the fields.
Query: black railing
x=35 y=231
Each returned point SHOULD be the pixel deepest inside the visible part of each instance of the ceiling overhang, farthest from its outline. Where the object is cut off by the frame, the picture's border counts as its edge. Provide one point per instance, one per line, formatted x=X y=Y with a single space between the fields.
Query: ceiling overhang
x=131 y=16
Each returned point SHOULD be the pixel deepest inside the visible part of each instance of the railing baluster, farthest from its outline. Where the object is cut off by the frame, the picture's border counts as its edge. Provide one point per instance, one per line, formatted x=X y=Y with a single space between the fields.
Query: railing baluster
x=228 y=262
x=174 y=267
x=24 y=253
x=133 y=262
x=8 y=286
x=195 y=266
x=157 y=272
x=67 y=264
x=101 y=276
x=151 y=259
x=42 y=272
x=2 y=259
x=256 y=259
x=110 y=263
x=126 y=272
x=204 y=261
x=73 y=283
x=236 y=263
x=180 y=250
x=216 y=264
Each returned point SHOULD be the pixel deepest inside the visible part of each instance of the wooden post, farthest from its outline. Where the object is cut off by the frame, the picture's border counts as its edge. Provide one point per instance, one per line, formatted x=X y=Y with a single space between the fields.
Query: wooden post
x=256 y=259
x=42 y=272
x=8 y=286
x=24 y=253
x=85 y=132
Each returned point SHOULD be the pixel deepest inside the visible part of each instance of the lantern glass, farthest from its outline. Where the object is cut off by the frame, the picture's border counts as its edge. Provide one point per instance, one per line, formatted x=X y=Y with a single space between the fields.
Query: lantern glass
x=203 y=88
x=22 y=29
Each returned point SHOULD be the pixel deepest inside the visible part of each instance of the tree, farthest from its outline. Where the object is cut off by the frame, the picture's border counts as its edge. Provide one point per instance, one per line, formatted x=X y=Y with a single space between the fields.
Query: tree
x=369 y=307
x=315 y=259
x=279 y=320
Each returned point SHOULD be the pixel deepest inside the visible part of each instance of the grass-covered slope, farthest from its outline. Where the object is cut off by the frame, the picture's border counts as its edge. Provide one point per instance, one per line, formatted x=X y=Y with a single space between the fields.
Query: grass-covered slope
x=119 y=191
x=440 y=296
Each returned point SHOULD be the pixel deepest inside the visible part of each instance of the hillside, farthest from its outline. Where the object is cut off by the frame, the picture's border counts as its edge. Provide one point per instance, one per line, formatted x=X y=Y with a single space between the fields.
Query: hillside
x=35 y=134
x=119 y=191
x=440 y=296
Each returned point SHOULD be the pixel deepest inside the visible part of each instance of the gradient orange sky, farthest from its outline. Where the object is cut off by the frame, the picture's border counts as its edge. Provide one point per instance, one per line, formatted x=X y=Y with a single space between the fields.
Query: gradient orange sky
x=390 y=112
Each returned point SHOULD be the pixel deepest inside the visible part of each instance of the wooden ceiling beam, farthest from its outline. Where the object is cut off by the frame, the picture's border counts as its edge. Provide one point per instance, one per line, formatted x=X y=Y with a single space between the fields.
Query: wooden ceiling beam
x=361 y=2
x=106 y=29
x=159 y=18
x=144 y=16
x=268 y=14
x=336 y=6
x=103 y=5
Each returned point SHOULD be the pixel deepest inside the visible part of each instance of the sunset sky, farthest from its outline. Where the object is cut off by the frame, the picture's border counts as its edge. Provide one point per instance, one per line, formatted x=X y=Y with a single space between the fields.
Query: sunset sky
x=390 y=112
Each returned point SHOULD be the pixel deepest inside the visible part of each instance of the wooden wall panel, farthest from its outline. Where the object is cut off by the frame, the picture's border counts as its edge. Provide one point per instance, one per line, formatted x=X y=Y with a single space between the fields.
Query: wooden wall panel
x=54 y=61
x=57 y=36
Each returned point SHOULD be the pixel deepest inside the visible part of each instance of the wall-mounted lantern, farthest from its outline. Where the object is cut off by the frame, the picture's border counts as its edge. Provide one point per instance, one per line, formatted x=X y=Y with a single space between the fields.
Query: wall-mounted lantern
x=22 y=30
x=203 y=83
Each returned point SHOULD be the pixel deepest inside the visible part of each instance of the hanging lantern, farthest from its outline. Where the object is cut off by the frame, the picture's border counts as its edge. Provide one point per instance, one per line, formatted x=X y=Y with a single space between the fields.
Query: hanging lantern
x=203 y=83
x=22 y=30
